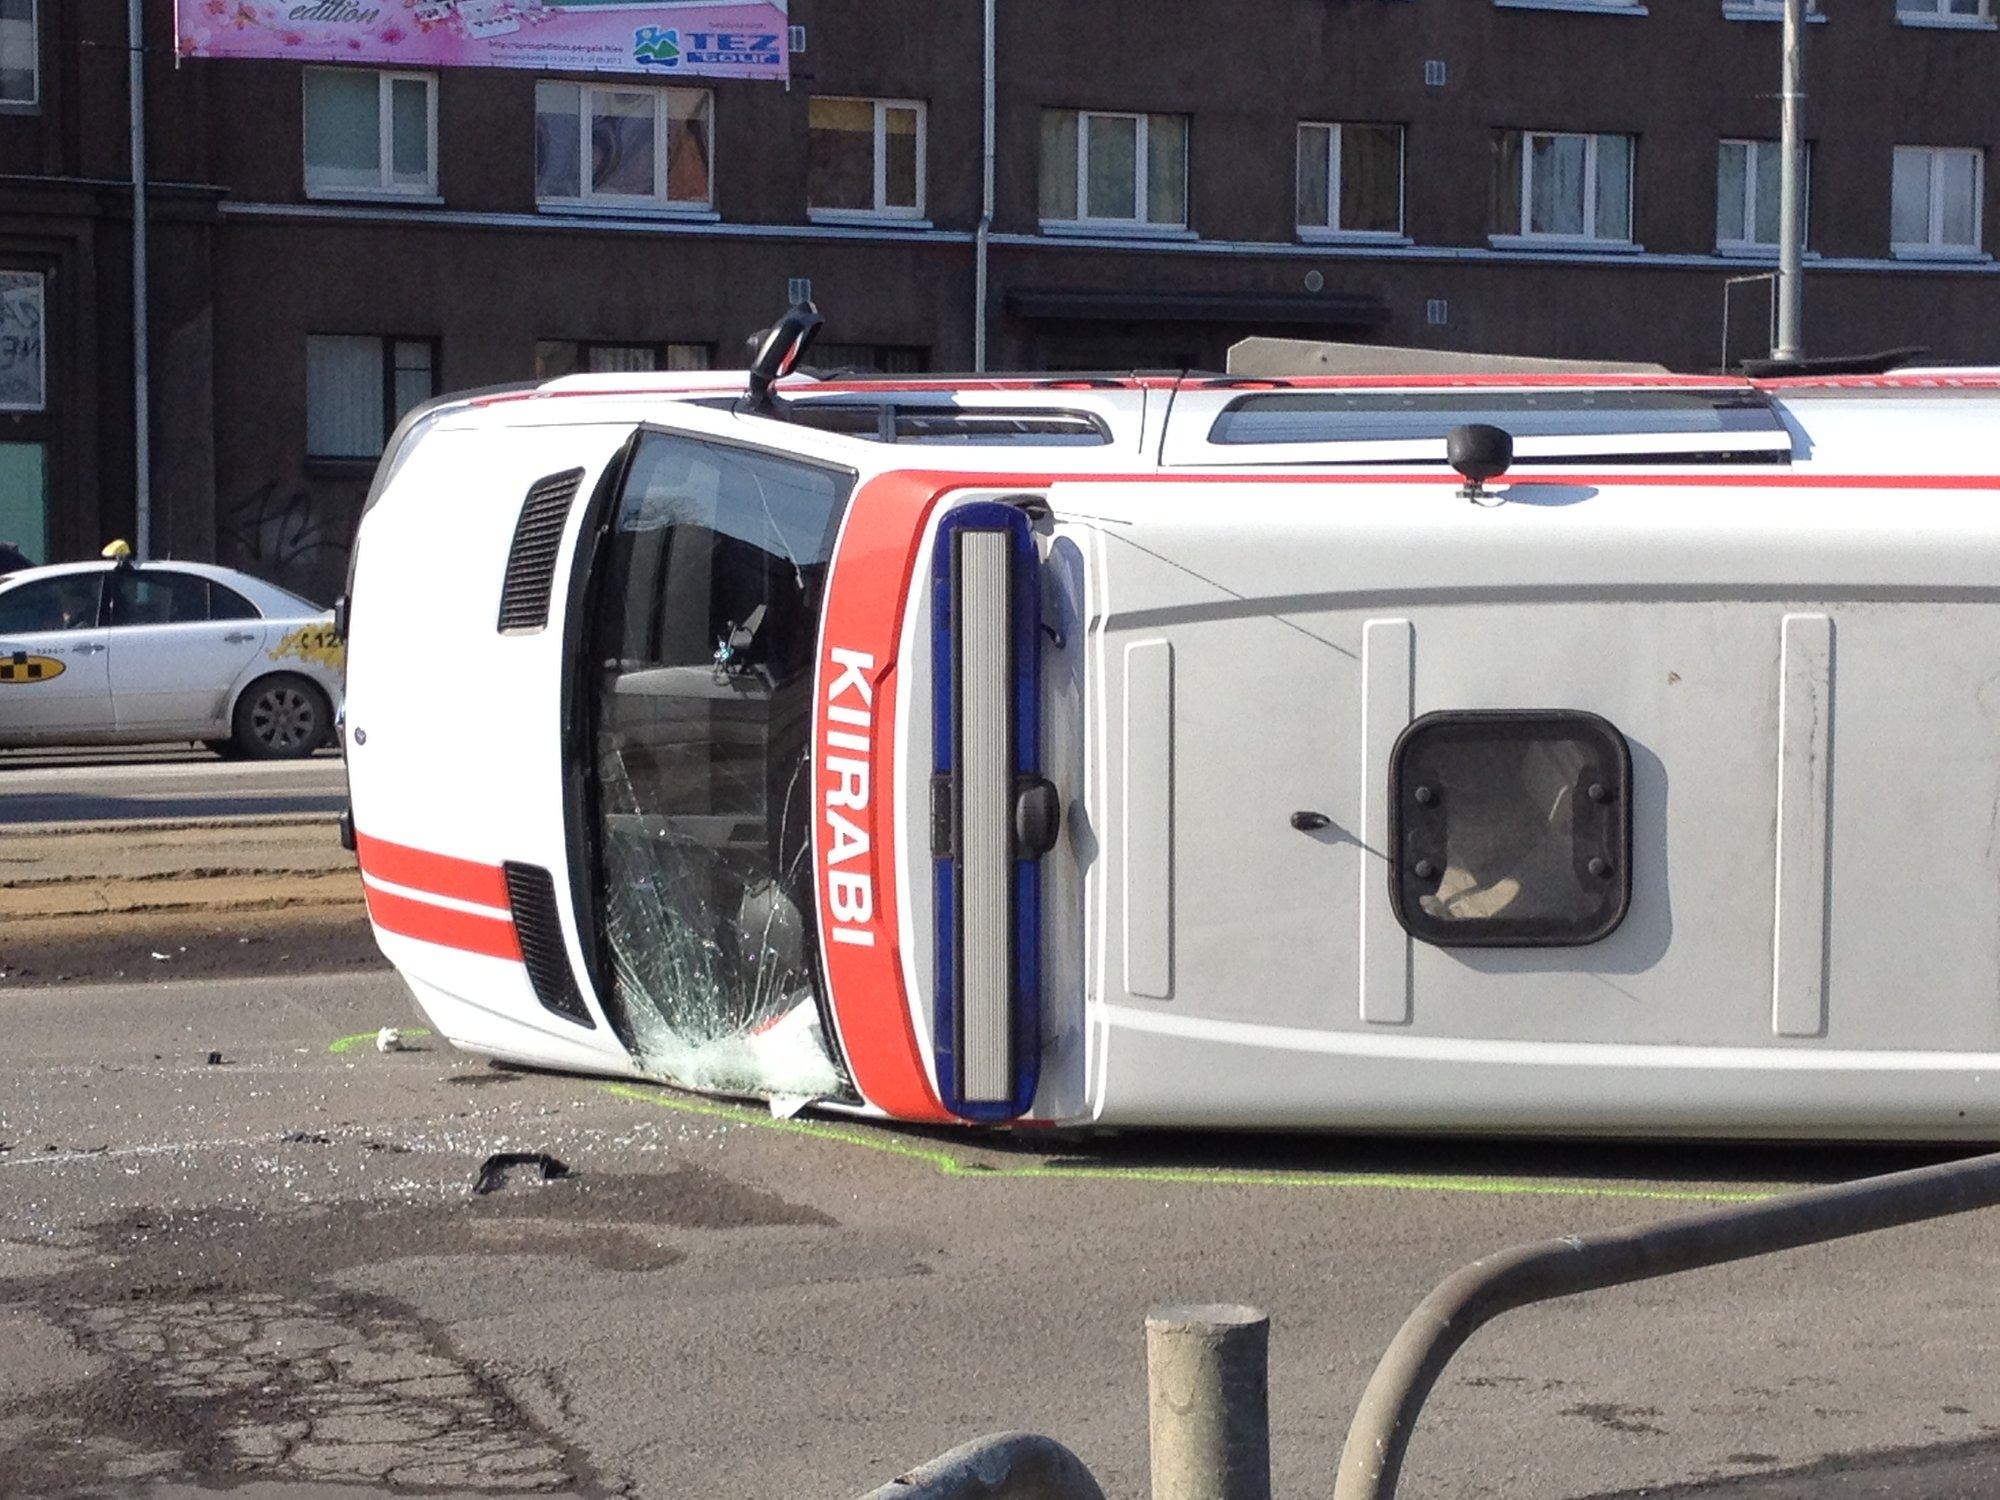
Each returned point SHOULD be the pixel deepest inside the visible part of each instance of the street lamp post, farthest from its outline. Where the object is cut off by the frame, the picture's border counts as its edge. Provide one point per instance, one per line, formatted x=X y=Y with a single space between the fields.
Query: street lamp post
x=142 y=458
x=1791 y=202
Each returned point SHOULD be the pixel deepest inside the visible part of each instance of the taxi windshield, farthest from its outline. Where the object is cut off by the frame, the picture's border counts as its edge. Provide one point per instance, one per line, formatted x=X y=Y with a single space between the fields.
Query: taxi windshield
x=703 y=620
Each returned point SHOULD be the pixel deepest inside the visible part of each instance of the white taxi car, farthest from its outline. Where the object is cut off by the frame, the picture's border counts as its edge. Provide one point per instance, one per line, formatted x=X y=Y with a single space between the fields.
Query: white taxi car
x=101 y=652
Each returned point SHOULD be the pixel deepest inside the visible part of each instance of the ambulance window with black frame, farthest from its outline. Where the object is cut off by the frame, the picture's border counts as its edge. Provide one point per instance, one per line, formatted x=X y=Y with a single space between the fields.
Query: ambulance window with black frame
x=1510 y=828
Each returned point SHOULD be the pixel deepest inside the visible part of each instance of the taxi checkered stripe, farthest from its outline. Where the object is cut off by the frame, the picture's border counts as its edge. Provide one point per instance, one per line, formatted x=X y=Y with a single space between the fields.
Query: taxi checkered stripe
x=20 y=668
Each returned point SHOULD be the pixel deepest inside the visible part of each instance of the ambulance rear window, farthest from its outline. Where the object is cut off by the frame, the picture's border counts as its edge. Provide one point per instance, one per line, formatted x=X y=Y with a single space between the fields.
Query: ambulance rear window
x=1510 y=828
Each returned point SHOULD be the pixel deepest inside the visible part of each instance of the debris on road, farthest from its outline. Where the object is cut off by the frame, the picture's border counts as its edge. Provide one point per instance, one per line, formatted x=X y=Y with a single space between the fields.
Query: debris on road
x=497 y=1170
x=305 y=1138
x=215 y=1059
x=388 y=1039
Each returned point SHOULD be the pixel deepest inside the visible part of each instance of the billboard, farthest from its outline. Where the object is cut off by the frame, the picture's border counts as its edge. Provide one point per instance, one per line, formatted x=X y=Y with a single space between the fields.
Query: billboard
x=660 y=37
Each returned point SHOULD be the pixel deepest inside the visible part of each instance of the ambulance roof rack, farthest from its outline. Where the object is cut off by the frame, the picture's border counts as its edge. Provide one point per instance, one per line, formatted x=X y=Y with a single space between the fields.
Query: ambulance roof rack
x=1880 y=363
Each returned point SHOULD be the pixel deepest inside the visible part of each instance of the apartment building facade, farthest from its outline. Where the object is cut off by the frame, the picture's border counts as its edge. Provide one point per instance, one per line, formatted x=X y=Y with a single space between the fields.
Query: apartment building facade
x=1584 y=178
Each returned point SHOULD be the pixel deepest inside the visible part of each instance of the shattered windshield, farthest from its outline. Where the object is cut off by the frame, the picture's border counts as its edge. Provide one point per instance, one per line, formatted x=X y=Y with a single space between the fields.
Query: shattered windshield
x=704 y=623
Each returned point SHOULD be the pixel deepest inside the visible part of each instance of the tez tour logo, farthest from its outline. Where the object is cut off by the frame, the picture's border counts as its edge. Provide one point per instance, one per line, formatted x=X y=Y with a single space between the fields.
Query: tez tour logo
x=18 y=666
x=657 y=47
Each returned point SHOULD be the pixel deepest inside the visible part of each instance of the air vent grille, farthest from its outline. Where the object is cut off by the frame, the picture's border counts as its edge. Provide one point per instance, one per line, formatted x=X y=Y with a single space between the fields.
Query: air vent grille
x=531 y=892
x=531 y=561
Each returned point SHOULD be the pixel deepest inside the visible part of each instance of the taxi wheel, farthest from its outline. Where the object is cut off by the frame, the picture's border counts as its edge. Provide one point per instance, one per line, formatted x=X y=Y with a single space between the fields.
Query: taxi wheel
x=281 y=717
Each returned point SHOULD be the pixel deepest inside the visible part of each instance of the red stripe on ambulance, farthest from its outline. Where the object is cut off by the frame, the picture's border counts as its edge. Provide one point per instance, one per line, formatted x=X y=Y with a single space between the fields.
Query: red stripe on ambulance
x=433 y=874
x=447 y=926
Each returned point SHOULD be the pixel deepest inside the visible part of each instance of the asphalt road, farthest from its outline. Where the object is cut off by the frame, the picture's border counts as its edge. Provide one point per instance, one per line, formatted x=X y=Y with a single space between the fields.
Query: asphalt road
x=269 y=1268
x=152 y=782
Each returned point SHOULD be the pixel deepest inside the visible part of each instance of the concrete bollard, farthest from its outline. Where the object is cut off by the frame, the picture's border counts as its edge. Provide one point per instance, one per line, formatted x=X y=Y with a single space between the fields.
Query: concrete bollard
x=1208 y=1402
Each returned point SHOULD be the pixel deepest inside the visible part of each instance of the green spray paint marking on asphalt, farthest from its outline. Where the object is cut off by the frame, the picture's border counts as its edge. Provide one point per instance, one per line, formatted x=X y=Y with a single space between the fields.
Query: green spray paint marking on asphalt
x=365 y=1038
x=949 y=1164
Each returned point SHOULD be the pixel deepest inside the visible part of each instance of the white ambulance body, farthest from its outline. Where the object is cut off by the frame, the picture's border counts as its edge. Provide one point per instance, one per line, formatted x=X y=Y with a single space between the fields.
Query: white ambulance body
x=1185 y=751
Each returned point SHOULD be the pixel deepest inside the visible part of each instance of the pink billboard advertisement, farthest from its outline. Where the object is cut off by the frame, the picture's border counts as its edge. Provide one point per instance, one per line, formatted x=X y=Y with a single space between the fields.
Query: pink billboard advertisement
x=660 y=37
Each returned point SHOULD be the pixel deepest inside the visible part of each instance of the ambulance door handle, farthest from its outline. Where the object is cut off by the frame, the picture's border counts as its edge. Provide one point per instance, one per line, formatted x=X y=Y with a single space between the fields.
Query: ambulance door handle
x=1037 y=816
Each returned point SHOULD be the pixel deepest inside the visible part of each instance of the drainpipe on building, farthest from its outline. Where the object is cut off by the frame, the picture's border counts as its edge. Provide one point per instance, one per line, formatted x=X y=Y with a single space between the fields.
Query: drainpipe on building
x=142 y=458
x=985 y=212
x=1791 y=200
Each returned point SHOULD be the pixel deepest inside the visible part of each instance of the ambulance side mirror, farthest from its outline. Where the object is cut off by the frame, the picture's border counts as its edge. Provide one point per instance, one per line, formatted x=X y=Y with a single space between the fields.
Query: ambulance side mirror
x=783 y=349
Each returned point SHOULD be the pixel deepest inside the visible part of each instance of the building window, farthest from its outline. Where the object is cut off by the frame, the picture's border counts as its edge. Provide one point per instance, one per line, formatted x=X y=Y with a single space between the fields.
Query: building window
x=23 y=352
x=1351 y=179
x=1551 y=186
x=867 y=157
x=20 y=53
x=885 y=359
x=1106 y=170
x=1749 y=189
x=371 y=133
x=1615 y=7
x=1944 y=12
x=358 y=388
x=555 y=358
x=1935 y=201
x=618 y=146
x=1765 y=10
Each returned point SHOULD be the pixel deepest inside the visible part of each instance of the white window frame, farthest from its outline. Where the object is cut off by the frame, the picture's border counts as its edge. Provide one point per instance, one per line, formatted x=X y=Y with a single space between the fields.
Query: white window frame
x=658 y=202
x=34 y=100
x=1330 y=228
x=385 y=140
x=1141 y=177
x=883 y=209
x=1752 y=247
x=1531 y=239
x=1935 y=248
x=1766 y=10
x=1588 y=7
x=1935 y=15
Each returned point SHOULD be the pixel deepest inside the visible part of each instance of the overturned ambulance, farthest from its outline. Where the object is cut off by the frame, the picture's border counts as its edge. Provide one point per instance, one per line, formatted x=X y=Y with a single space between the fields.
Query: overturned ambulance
x=1202 y=750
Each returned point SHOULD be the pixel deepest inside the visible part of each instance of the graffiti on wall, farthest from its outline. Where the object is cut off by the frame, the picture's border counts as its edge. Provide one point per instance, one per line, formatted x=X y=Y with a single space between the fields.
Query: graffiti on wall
x=291 y=534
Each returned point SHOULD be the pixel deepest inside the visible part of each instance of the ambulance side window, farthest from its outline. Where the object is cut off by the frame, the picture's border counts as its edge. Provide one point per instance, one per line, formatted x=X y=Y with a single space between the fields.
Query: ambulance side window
x=1510 y=828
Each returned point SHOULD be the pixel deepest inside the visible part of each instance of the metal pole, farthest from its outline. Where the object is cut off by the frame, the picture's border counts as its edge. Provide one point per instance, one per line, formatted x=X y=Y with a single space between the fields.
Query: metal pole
x=1002 y=1466
x=142 y=446
x=1462 y=1304
x=1208 y=1402
x=1792 y=190
x=985 y=206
